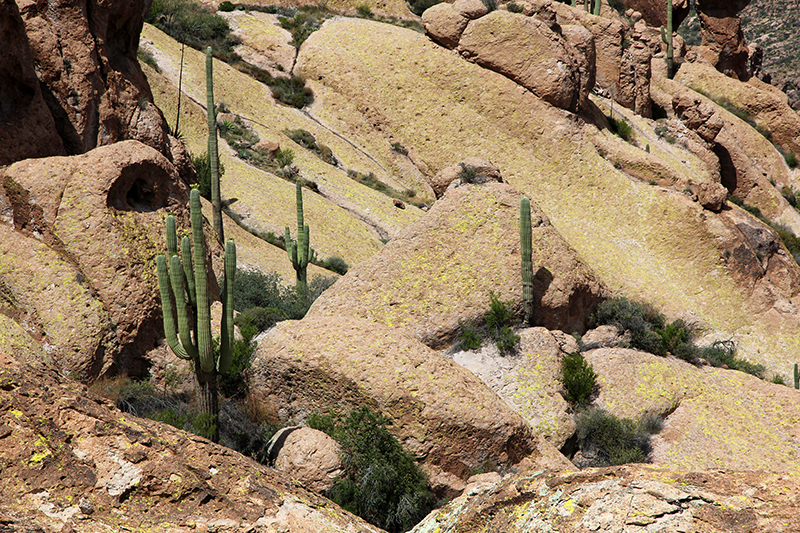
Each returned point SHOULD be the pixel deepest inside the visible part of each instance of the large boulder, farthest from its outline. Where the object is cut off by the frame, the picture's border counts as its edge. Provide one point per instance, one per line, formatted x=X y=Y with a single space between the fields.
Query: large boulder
x=443 y=269
x=528 y=51
x=84 y=55
x=73 y=462
x=82 y=234
x=309 y=456
x=440 y=413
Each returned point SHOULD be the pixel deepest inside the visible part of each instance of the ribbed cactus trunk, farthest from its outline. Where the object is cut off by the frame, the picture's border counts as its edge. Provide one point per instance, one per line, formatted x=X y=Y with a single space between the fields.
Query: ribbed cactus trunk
x=187 y=283
x=525 y=239
x=597 y=7
x=796 y=377
x=213 y=152
x=666 y=36
x=300 y=251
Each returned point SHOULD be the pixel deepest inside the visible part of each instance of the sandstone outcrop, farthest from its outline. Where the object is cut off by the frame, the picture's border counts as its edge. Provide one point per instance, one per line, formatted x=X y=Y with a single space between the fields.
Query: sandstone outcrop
x=441 y=413
x=27 y=128
x=723 y=43
x=442 y=270
x=89 y=74
x=73 y=462
x=85 y=230
x=629 y=498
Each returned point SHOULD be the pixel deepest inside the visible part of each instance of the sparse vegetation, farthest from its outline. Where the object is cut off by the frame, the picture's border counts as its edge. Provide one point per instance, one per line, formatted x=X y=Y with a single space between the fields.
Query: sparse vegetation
x=620 y=127
x=469 y=338
x=498 y=321
x=147 y=58
x=372 y=182
x=610 y=440
x=791 y=159
x=255 y=289
x=381 y=482
x=203 y=169
x=193 y=24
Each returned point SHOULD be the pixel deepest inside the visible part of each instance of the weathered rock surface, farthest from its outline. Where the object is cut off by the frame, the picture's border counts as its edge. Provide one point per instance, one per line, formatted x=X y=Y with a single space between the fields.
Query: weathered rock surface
x=472 y=170
x=84 y=53
x=263 y=42
x=723 y=41
x=73 y=462
x=442 y=269
x=84 y=230
x=27 y=128
x=311 y=457
x=444 y=24
x=630 y=498
x=654 y=12
x=441 y=413
x=528 y=51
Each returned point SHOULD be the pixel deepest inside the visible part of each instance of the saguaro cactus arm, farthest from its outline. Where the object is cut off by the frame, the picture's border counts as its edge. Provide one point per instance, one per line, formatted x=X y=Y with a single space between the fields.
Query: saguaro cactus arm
x=666 y=36
x=226 y=328
x=527 y=263
x=166 y=306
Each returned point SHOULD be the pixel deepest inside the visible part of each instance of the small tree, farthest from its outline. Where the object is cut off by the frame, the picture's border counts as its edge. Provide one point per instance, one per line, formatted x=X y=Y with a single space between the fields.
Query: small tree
x=186 y=283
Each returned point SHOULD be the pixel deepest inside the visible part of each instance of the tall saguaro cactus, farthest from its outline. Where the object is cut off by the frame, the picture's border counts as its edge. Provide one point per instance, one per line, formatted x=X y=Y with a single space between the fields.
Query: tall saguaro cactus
x=300 y=251
x=187 y=282
x=213 y=152
x=666 y=36
x=527 y=263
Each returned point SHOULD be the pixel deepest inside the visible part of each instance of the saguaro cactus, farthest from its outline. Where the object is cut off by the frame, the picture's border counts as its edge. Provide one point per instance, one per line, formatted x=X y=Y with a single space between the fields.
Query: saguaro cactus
x=527 y=264
x=666 y=36
x=300 y=251
x=213 y=153
x=596 y=8
x=187 y=282
x=796 y=377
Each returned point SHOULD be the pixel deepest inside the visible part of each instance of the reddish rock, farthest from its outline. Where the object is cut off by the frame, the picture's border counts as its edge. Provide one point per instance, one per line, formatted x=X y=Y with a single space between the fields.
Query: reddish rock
x=723 y=42
x=89 y=74
x=444 y=24
x=654 y=12
x=311 y=457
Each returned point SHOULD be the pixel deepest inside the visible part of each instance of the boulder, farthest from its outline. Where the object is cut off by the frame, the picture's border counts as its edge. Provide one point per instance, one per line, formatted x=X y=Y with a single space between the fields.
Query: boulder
x=604 y=336
x=89 y=74
x=94 y=222
x=311 y=457
x=474 y=171
x=472 y=9
x=628 y=498
x=444 y=24
x=74 y=462
x=262 y=41
x=527 y=51
x=465 y=248
x=439 y=412
x=698 y=115
x=654 y=12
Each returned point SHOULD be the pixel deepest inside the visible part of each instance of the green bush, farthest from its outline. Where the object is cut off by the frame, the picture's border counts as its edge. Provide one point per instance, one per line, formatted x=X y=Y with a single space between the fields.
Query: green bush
x=418 y=7
x=506 y=340
x=514 y=7
x=335 y=264
x=284 y=157
x=193 y=24
x=791 y=159
x=498 y=320
x=381 y=482
x=256 y=289
x=292 y=91
x=579 y=379
x=620 y=127
x=227 y=6
x=203 y=169
x=723 y=353
x=469 y=338
x=260 y=318
x=612 y=440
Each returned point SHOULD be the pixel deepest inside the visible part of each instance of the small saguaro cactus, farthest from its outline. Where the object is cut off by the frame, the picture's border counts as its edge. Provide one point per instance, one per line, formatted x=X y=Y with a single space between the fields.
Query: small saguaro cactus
x=184 y=279
x=213 y=153
x=300 y=251
x=796 y=377
x=666 y=36
x=527 y=263
x=596 y=8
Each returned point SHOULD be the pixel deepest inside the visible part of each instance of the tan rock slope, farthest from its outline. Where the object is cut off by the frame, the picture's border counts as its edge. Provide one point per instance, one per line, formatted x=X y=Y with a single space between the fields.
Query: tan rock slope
x=72 y=462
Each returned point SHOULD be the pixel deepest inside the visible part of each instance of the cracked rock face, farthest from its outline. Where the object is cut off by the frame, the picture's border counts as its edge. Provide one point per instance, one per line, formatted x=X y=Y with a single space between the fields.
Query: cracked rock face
x=631 y=498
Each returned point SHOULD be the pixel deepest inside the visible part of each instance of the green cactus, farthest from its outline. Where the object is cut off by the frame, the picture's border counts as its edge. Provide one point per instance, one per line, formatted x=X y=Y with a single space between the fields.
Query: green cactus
x=300 y=251
x=187 y=282
x=666 y=36
x=527 y=263
x=213 y=153
x=596 y=8
x=796 y=377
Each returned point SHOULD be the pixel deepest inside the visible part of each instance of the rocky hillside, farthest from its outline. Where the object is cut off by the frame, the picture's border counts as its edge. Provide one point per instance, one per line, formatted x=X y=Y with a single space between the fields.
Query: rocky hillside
x=415 y=149
x=774 y=26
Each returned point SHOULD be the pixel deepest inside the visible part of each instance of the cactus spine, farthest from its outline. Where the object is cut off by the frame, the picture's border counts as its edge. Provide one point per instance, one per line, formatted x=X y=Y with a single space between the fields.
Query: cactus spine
x=796 y=377
x=666 y=36
x=213 y=153
x=527 y=263
x=187 y=282
x=300 y=252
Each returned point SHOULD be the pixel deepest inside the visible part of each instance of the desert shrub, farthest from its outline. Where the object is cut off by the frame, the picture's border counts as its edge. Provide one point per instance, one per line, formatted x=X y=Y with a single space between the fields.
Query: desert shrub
x=791 y=159
x=467 y=173
x=514 y=7
x=292 y=91
x=789 y=195
x=260 y=318
x=613 y=440
x=256 y=289
x=418 y=7
x=364 y=11
x=723 y=353
x=284 y=157
x=226 y=6
x=399 y=148
x=381 y=482
x=579 y=379
x=193 y=24
x=203 y=169
x=498 y=319
x=469 y=338
x=147 y=58
x=620 y=127
x=335 y=264
x=303 y=138
x=506 y=340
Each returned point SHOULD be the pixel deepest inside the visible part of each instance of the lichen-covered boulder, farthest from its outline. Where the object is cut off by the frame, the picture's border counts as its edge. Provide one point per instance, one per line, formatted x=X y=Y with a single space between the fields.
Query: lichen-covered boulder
x=444 y=24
